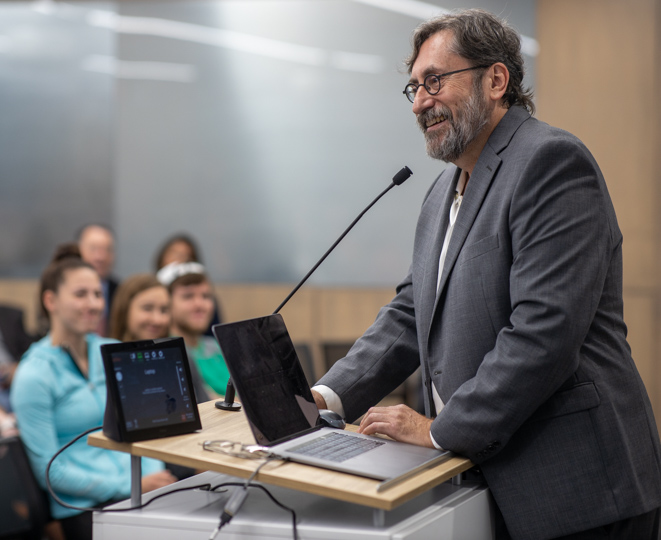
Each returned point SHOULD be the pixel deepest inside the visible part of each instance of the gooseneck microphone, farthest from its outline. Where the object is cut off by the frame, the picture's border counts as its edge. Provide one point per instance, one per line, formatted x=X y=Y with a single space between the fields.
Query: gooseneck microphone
x=397 y=180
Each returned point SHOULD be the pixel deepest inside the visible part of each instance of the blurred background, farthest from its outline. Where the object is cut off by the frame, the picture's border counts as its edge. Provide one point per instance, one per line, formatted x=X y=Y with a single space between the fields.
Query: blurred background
x=263 y=127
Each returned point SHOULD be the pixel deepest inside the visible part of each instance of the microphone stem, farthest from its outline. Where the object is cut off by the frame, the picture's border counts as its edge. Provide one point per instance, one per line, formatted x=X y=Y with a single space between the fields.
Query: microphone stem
x=392 y=185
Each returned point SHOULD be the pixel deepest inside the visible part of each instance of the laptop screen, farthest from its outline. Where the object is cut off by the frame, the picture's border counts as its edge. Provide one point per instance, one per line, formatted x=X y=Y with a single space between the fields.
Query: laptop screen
x=150 y=383
x=268 y=378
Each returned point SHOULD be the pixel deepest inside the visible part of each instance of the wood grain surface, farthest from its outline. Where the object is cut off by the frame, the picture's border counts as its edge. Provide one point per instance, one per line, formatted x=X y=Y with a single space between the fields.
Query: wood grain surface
x=216 y=424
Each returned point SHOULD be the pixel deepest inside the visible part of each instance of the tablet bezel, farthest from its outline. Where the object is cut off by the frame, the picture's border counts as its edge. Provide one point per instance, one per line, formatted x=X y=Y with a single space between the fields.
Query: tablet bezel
x=115 y=417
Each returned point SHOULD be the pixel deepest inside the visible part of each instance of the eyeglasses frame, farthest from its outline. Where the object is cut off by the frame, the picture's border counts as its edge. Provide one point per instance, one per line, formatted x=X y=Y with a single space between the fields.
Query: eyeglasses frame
x=440 y=77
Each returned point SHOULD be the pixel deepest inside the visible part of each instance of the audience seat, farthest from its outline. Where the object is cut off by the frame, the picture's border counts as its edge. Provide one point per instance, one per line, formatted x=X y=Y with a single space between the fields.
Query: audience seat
x=24 y=507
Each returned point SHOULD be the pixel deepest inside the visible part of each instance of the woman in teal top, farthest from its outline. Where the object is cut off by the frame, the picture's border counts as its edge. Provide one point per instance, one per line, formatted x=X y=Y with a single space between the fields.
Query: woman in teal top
x=59 y=391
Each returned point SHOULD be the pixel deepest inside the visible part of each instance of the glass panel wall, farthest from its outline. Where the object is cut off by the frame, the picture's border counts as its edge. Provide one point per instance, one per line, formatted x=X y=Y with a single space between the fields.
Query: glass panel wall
x=262 y=128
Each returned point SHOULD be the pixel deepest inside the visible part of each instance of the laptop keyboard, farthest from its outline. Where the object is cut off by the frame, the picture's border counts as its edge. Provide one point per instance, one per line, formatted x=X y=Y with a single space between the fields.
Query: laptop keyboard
x=337 y=447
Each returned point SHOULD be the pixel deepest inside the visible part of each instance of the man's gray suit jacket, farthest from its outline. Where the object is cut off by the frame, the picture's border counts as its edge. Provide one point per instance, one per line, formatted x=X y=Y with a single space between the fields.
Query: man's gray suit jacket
x=525 y=340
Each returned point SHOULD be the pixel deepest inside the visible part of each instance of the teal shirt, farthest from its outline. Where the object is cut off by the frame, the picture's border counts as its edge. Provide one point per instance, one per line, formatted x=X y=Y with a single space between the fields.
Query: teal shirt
x=54 y=403
x=210 y=363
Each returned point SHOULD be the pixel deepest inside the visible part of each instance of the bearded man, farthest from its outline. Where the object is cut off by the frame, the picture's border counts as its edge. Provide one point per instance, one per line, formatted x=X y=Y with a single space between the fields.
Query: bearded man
x=512 y=307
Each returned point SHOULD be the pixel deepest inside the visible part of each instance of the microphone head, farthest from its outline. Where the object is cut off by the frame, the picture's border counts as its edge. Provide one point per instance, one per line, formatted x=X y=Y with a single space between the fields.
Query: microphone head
x=402 y=176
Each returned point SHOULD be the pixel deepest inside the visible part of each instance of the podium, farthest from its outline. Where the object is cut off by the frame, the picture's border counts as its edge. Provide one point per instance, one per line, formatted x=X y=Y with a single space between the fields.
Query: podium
x=328 y=501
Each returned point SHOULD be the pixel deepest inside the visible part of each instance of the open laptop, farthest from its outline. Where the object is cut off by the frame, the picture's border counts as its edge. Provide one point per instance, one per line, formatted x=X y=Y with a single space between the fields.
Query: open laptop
x=282 y=413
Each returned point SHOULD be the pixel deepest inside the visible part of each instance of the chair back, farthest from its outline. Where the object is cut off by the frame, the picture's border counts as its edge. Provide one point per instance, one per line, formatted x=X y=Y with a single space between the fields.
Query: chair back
x=24 y=508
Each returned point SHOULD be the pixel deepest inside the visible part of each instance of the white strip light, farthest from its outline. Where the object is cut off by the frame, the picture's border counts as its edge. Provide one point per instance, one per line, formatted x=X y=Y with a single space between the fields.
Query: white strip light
x=151 y=71
x=412 y=8
x=424 y=11
x=303 y=54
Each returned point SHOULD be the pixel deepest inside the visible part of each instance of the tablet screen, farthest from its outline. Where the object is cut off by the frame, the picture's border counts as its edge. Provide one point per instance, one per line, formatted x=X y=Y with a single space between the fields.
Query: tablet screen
x=150 y=389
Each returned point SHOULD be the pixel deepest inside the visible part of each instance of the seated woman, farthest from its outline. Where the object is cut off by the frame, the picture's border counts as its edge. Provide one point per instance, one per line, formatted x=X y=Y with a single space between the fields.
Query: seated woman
x=141 y=310
x=59 y=391
x=182 y=248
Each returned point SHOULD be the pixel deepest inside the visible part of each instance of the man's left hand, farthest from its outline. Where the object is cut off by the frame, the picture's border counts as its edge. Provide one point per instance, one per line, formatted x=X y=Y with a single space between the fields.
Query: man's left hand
x=399 y=422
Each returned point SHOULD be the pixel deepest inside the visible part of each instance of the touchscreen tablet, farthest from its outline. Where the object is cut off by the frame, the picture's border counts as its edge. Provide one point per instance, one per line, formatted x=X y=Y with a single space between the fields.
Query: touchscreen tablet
x=150 y=392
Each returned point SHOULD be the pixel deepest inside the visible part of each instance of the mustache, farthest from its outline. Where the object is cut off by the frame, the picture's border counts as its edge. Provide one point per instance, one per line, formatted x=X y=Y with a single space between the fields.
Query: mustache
x=430 y=114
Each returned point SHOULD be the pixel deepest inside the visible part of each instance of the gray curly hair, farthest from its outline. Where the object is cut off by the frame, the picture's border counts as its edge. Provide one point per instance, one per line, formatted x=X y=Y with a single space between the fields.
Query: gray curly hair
x=481 y=38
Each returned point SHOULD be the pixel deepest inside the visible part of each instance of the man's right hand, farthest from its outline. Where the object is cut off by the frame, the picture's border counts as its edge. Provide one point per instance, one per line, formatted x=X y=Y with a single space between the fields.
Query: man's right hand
x=319 y=400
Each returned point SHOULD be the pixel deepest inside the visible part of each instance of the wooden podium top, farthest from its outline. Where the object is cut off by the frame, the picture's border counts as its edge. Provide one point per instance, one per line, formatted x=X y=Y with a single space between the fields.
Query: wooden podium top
x=187 y=450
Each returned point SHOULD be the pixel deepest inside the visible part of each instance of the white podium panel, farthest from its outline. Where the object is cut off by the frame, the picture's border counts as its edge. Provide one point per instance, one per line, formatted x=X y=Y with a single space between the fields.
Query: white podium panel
x=446 y=512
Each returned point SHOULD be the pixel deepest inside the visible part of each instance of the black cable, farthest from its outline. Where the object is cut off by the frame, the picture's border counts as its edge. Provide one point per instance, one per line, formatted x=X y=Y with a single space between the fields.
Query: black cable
x=206 y=486
x=323 y=258
x=278 y=503
x=48 y=484
x=236 y=500
x=86 y=509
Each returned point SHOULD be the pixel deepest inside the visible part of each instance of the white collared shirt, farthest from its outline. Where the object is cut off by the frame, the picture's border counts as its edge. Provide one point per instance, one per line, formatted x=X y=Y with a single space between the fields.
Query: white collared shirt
x=454 y=211
x=333 y=401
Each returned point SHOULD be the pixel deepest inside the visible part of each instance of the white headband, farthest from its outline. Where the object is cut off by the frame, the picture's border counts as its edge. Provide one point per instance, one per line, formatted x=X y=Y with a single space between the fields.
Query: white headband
x=175 y=270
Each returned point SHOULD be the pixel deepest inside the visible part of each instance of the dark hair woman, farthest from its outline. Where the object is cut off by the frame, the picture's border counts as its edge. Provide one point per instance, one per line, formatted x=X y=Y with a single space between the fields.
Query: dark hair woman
x=59 y=391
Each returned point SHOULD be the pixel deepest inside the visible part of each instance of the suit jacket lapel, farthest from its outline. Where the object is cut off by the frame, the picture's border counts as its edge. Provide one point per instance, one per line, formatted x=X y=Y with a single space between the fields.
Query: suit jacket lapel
x=430 y=282
x=476 y=190
x=478 y=186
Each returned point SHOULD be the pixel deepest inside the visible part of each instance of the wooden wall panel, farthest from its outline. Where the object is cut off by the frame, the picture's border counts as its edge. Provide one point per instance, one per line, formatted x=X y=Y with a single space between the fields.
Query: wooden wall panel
x=598 y=76
x=242 y=301
x=23 y=294
x=314 y=316
x=345 y=314
x=596 y=79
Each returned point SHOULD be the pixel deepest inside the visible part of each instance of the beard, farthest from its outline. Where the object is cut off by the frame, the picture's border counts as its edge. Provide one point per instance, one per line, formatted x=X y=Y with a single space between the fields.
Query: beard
x=461 y=129
x=192 y=327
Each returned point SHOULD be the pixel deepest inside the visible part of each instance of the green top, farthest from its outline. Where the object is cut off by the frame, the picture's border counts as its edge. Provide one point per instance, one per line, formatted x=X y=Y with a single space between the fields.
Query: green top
x=210 y=363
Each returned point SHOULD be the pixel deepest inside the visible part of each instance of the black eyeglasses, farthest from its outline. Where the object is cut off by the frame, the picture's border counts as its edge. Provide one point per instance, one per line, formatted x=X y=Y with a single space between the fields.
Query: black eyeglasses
x=433 y=83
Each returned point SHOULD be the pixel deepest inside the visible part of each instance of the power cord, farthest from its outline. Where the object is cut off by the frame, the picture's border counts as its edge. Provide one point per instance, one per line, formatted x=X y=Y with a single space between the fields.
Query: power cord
x=59 y=501
x=237 y=499
x=267 y=492
x=232 y=506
